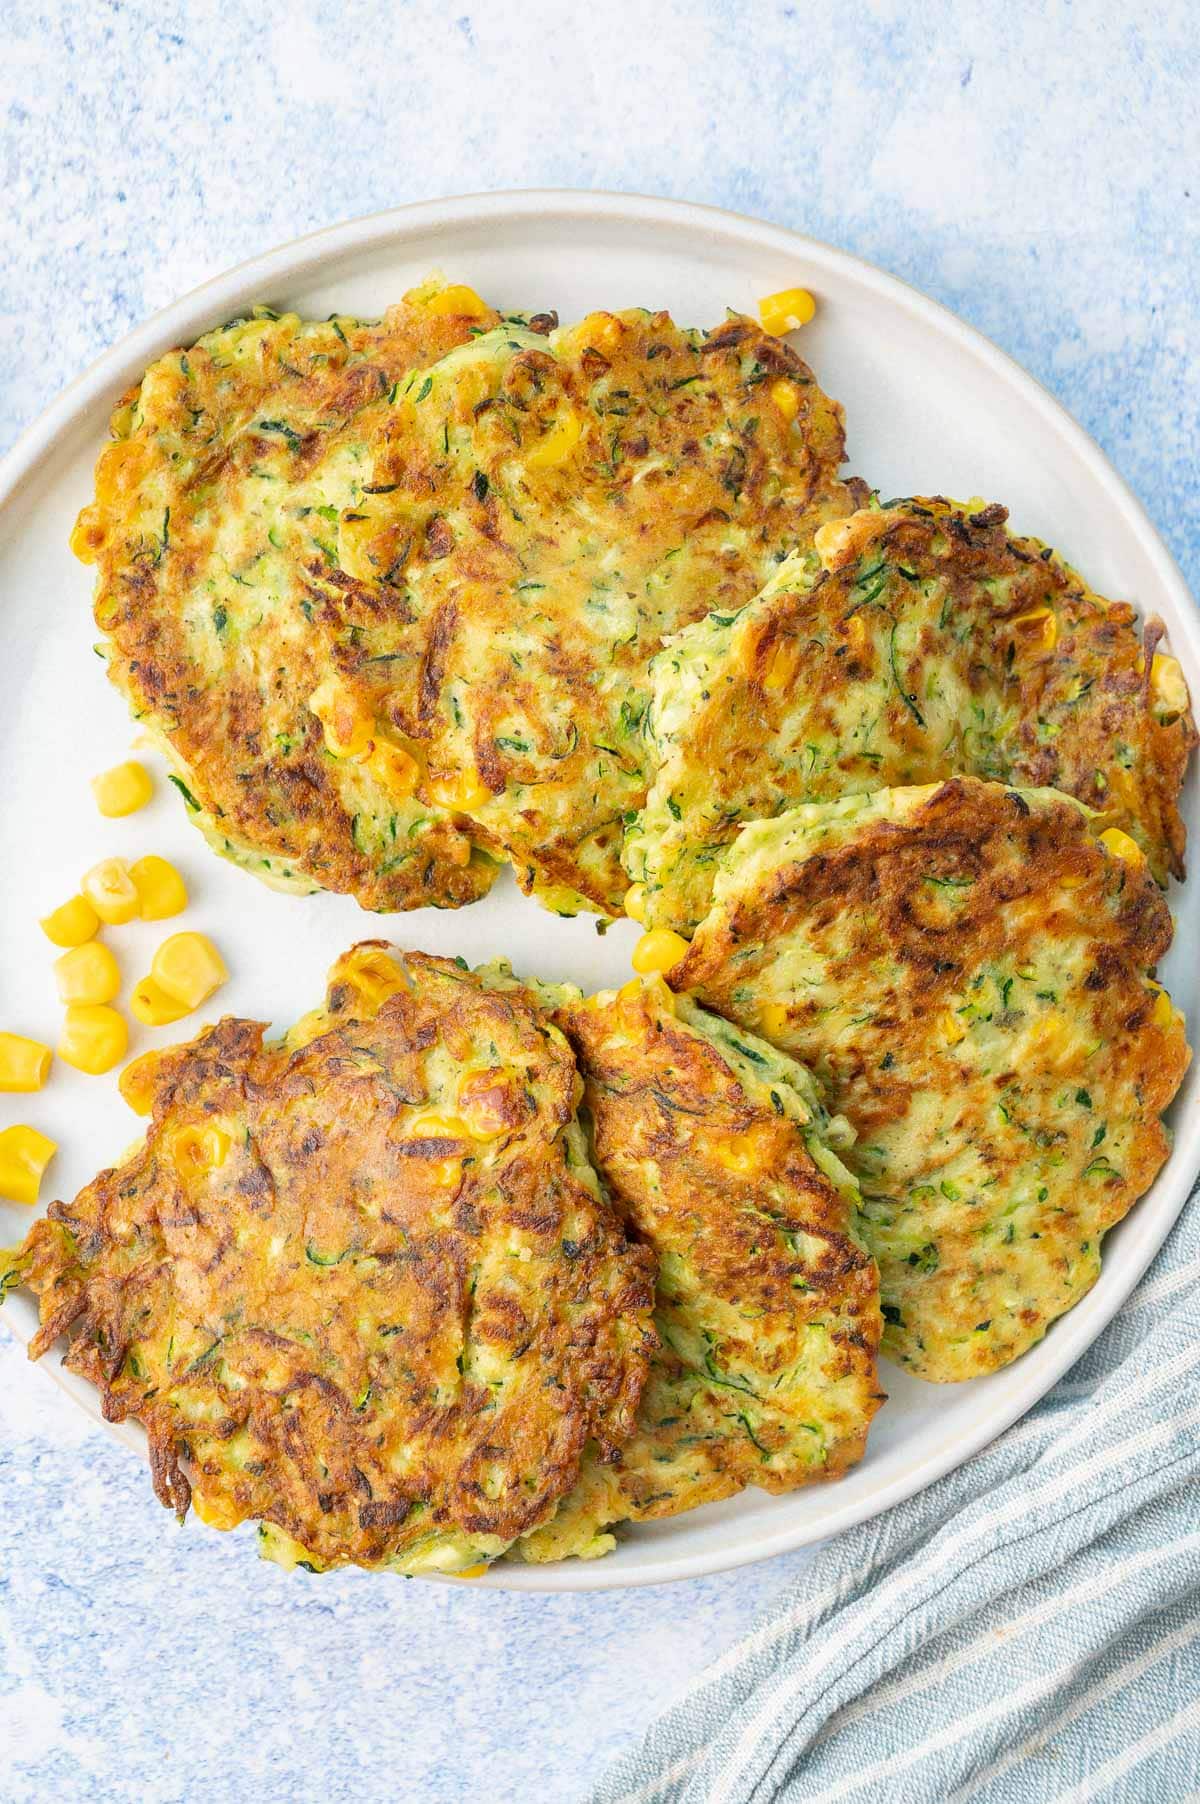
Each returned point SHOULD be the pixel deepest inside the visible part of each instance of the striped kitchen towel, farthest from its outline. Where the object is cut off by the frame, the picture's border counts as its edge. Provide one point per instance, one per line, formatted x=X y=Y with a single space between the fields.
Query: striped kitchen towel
x=1026 y=1630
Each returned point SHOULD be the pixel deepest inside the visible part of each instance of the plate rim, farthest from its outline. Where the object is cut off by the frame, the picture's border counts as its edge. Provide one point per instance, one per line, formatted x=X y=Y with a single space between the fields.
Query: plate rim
x=303 y=257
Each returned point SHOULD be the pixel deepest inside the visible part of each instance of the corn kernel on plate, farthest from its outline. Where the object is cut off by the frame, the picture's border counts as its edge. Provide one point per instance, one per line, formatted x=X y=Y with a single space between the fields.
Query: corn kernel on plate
x=105 y=880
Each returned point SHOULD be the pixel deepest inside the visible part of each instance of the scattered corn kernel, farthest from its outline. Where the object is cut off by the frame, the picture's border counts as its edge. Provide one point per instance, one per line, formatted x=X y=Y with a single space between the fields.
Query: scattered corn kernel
x=831 y=540
x=1169 y=685
x=658 y=950
x=741 y=1156
x=373 y=973
x=1163 y=1012
x=150 y=1004
x=87 y=973
x=953 y=1030
x=137 y=1082
x=786 y=398
x=94 y=1038
x=161 y=891
x=773 y=1019
x=555 y=446
x=111 y=891
x=348 y=730
x=464 y=791
x=395 y=768
x=1122 y=846
x=24 y=1156
x=123 y=789
x=457 y=298
x=437 y=1127
x=189 y=968
x=1053 y=1039
x=72 y=924
x=856 y=634
x=782 y=665
x=199 y=1149
x=472 y=1572
x=1038 y=629
x=217 y=1512
x=786 y=310
x=24 y=1064
x=635 y=902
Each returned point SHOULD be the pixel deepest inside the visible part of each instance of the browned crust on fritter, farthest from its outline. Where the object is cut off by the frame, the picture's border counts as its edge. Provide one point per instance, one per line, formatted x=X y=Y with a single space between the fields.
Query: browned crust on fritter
x=664 y=1105
x=1096 y=638
x=869 y=902
x=281 y=799
x=663 y=403
x=364 y=1417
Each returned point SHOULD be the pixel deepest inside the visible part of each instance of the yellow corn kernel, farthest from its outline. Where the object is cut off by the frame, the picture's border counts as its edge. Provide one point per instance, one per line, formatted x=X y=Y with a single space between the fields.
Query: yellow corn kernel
x=373 y=973
x=1037 y=630
x=556 y=446
x=472 y=1572
x=1168 y=685
x=189 y=968
x=786 y=398
x=786 y=310
x=198 y=1149
x=72 y=924
x=953 y=1030
x=658 y=950
x=349 y=732
x=94 y=1038
x=123 y=789
x=1121 y=846
x=456 y=298
x=1053 y=1040
x=782 y=665
x=1163 y=1012
x=396 y=769
x=24 y=1064
x=87 y=973
x=137 y=1082
x=742 y=1156
x=161 y=891
x=773 y=1019
x=463 y=792
x=150 y=1004
x=856 y=634
x=24 y=1156
x=110 y=890
x=831 y=540
x=217 y=1512
x=635 y=902
x=88 y=534
x=431 y=1126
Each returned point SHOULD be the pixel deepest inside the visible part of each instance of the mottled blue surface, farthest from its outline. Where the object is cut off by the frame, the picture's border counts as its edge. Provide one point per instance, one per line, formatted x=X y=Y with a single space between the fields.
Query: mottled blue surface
x=1035 y=167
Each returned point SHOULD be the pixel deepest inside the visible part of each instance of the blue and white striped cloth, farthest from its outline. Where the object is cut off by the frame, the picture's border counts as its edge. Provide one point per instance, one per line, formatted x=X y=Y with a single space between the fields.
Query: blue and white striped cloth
x=1026 y=1630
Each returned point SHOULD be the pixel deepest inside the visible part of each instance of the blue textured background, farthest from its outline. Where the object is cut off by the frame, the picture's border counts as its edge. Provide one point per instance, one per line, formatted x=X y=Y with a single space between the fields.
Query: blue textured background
x=1033 y=166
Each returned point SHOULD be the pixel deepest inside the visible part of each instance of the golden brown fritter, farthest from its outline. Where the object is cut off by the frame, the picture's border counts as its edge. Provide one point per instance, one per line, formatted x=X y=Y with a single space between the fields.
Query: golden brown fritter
x=714 y=1148
x=923 y=642
x=214 y=533
x=542 y=512
x=968 y=970
x=360 y=1285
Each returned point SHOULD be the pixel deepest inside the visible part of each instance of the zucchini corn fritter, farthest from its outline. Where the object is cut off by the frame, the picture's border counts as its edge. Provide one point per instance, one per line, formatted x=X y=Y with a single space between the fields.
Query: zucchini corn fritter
x=716 y=1150
x=921 y=643
x=214 y=530
x=359 y=1285
x=968 y=971
x=534 y=515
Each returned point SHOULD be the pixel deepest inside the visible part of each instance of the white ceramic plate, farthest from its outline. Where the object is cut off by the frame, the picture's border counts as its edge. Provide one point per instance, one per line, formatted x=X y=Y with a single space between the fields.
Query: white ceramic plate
x=930 y=406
